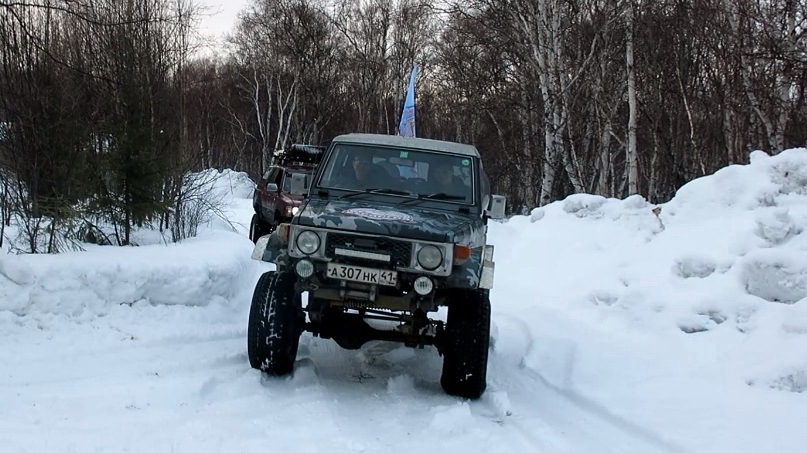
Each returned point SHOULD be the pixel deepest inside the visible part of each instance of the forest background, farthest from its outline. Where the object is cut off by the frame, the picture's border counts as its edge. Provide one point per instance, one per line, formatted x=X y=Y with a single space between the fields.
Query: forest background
x=107 y=107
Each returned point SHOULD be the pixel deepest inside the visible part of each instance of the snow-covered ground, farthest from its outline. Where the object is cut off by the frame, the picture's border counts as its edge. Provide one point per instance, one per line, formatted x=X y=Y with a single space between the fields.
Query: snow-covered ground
x=616 y=329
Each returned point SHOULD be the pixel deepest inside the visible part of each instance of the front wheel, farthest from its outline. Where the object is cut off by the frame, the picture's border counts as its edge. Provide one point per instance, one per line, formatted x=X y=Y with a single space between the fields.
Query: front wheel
x=465 y=349
x=258 y=228
x=275 y=324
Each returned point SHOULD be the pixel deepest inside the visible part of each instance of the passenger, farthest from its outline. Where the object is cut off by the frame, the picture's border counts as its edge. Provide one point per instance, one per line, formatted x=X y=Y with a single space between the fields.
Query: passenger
x=442 y=180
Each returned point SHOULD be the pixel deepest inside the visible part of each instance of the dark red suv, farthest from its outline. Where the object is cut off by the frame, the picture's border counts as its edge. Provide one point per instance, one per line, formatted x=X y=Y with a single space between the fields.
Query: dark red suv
x=272 y=200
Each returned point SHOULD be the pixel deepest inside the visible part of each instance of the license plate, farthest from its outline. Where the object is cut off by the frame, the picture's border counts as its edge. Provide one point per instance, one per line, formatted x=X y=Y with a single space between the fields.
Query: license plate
x=362 y=274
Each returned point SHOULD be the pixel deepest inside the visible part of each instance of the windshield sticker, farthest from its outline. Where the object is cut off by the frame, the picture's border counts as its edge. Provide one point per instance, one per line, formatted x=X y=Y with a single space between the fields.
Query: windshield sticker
x=404 y=155
x=466 y=162
x=377 y=214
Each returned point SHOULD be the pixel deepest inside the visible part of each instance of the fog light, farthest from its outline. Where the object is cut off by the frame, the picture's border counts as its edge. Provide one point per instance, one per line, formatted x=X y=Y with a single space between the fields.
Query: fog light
x=304 y=268
x=423 y=285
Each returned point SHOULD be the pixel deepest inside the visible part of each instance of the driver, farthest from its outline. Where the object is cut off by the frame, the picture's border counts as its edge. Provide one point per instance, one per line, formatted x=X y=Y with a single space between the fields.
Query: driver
x=367 y=175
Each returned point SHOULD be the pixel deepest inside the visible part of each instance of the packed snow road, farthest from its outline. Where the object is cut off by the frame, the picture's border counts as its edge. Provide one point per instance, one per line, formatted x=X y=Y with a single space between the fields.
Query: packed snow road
x=159 y=378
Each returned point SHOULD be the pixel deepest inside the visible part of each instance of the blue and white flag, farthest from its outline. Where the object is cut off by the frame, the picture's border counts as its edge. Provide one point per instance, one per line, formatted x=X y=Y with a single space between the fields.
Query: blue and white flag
x=407 y=126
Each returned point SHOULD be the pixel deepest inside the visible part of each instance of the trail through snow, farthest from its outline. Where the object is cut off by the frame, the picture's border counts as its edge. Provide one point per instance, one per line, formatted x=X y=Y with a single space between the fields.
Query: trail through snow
x=148 y=378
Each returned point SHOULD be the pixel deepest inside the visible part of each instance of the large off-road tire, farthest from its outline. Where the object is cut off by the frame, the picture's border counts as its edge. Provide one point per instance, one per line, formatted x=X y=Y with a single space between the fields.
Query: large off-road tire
x=258 y=228
x=466 y=342
x=275 y=324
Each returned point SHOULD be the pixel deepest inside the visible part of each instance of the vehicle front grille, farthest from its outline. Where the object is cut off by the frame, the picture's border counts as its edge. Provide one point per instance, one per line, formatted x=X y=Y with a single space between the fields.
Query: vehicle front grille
x=400 y=251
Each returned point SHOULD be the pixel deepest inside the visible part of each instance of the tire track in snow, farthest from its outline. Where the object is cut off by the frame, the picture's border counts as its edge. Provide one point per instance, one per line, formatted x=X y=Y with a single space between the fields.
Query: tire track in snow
x=385 y=397
x=540 y=408
x=396 y=391
x=523 y=412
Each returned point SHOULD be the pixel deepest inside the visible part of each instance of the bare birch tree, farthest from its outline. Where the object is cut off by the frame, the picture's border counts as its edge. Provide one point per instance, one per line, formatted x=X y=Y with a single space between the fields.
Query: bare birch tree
x=632 y=155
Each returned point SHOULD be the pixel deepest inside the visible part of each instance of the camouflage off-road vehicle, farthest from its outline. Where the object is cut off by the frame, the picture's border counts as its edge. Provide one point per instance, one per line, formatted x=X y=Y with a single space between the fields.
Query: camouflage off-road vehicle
x=391 y=229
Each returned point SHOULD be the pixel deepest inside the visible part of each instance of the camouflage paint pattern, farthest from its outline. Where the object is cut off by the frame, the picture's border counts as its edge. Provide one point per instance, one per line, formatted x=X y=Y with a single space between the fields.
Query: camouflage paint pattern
x=467 y=275
x=393 y=220
x=274 y=249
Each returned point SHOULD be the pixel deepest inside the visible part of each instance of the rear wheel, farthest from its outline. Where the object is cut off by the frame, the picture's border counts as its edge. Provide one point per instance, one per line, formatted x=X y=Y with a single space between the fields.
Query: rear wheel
x=275 y=324
x=465 y=348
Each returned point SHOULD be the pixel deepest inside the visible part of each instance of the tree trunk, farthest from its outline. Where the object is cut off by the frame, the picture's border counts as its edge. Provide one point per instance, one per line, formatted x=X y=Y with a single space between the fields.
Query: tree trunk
x=632 y=157
x=603 y=183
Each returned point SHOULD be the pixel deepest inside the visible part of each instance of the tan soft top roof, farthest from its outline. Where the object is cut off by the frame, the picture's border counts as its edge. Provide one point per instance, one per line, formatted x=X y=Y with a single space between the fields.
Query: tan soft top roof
x=409 y=142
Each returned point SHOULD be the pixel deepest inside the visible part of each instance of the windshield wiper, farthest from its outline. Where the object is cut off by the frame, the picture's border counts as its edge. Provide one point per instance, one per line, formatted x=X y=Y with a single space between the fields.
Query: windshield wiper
x=377 y=190
x=435 y=196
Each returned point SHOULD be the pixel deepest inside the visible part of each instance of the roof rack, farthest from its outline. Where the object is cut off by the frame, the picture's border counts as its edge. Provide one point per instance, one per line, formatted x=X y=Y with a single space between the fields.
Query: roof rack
x=300 y=154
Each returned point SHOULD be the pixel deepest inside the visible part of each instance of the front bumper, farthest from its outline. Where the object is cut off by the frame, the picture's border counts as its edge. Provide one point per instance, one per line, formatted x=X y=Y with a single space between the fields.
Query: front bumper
x=392 y=253
x=476 y=272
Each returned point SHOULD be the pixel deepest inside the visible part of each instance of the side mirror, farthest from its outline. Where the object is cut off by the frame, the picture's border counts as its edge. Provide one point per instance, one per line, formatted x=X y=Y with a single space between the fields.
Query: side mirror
x=299 y=183
x=271 y=187
x=497 y=205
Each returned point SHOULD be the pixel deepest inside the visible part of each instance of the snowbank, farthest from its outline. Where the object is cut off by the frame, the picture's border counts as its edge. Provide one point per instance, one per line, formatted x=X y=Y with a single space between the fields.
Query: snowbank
x=692 y=319
x=228 y=184
x=88 y=283
x=214 y=265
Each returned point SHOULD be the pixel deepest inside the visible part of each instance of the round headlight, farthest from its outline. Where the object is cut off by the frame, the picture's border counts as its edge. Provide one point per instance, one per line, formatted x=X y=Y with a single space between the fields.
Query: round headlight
x=430 y=257
x=308 y=242
x=295 y=210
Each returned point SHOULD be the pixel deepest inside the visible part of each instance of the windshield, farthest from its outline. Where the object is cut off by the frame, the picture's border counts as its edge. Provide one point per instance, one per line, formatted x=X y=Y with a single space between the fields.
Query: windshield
x=287 y=179
x=411 y=173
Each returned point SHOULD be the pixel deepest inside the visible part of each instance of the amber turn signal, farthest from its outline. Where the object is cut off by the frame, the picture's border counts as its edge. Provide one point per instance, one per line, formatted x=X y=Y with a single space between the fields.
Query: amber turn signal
x=461 y=254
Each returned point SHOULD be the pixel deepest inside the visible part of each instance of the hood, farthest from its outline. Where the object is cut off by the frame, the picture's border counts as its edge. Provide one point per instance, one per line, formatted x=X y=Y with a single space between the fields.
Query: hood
x=291 y=200
x=391 y=220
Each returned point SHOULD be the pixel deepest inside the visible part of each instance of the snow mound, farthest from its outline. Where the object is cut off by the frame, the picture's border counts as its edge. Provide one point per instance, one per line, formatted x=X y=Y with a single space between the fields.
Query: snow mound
x=766 y=181
x=89 y=283
x=230 y=184
x=696 y=305
x=215 y=265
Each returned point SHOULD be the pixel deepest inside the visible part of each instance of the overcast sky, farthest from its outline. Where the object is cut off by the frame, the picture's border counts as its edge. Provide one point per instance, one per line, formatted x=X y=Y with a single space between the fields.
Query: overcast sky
x=219 y=18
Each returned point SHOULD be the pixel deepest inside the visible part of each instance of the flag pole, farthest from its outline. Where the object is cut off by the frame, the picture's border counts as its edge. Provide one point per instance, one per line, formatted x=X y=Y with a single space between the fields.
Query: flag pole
x=407 y=126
